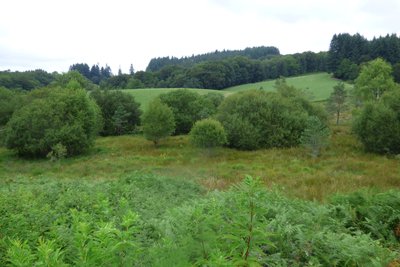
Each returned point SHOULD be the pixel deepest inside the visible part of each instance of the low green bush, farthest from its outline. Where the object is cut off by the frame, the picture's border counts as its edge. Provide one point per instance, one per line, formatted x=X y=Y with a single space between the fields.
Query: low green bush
x=54 y=116
x=256 y=119
x=158 y=121
x=208 y=133
x=378 y=126
x=121 y=113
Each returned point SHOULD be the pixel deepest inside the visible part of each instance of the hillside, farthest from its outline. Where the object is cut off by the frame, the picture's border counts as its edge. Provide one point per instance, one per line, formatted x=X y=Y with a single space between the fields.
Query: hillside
x=261 y=52
x=144 y=96
x=319 y=85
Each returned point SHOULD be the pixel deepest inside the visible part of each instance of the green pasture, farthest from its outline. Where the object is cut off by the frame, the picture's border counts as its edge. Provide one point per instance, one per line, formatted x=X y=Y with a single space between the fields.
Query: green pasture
x=144 y=96
x=318 y=85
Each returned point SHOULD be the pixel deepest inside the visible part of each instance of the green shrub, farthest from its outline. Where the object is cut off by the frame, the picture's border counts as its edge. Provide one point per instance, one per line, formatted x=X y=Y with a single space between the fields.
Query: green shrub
x=250 y=226
x=378 y=127
x=256 y=119
x=80 y=223
x=9 y=102
x=57 y=116
x=208 y=133
x=376 y=214
x=148 y=220
x=158 y=121
x=121 y=113
x=189 y=107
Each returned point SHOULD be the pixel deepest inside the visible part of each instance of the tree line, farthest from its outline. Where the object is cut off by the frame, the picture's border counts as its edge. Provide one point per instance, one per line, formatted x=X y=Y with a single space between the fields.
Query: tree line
x=223 y=73
x=222 y=69
x=261 y=52
x=212 y=74
x=348 y=52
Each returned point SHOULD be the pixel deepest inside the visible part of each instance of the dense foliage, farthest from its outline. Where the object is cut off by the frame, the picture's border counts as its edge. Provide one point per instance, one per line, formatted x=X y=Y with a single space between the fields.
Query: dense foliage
x=121 y=113
x=261 y=52
x=220 y=73
x=145 y=220
x=208 y=133
x=10 y=100
x=378 y=125
x=86 y=224
x=26 y=80
x=347 y=52
x=54 y=116
x=158 y=121
x=95 y=74
x=256 y=119
x=374 y=80
x=189 y=107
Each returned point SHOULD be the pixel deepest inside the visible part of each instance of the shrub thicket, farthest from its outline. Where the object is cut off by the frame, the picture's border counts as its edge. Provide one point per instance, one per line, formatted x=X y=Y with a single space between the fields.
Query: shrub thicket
x=121 y=113
x=189 y=107
x=54 y=116
x=208 y=133
x=256 y=119
x=10 y=100
x=146 y=220
x=378 y=125
x=158 y=121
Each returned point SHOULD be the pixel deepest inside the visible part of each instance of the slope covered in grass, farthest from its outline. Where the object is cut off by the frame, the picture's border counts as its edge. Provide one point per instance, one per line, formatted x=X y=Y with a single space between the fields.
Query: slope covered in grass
x=343 y=166
x=318 y=85
x=144 y=96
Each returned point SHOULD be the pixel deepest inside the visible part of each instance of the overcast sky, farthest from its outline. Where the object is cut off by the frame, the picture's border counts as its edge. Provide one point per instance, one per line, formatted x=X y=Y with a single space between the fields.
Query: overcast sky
x=53 y=34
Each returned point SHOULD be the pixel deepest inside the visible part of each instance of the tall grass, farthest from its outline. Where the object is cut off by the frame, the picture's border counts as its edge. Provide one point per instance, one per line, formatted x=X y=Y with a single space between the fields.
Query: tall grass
x=343 y=166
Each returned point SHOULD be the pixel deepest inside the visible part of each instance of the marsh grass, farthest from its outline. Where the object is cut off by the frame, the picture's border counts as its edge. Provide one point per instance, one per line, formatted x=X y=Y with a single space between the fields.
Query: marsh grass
x=342 y=167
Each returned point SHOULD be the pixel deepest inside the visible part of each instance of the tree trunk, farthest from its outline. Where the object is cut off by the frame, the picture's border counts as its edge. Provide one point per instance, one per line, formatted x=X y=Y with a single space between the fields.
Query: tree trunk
x=337 y=117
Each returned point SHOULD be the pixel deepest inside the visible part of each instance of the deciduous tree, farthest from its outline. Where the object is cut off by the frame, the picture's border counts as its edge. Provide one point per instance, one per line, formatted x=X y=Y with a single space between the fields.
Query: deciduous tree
x=337 y=101
x=158 y=121
x=374 y=80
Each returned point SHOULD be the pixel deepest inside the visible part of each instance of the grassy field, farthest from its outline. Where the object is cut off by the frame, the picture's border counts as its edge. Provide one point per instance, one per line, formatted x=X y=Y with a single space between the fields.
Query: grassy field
x=128 y=203
x=343 y=167
x=319 y=85
x=144 y=96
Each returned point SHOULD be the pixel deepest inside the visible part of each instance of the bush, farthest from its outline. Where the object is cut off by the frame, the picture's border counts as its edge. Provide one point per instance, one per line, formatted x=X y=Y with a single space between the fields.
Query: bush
x=378 y=127
x=57 y=116
x=158 y=121
x=189 y=107
x=120 y=111
x=256 y=119
x=9 y=102
x=208 y=133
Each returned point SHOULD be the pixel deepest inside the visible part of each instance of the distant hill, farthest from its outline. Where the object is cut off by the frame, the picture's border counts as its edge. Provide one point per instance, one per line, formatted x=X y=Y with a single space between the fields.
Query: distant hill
x=318 y=85
x=261 y=52
x=144 y=96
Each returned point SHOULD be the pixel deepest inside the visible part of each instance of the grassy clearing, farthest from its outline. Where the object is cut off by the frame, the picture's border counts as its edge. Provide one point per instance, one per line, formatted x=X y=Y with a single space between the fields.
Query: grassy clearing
x=144 y=96
x=343 y=167
x=319 y=85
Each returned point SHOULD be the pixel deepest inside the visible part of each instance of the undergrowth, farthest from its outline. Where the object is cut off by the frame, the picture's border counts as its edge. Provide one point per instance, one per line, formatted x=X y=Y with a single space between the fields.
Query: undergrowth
x=147 y=220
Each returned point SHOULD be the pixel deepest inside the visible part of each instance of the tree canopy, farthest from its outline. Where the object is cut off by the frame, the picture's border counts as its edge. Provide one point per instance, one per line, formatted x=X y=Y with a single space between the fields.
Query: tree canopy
x=375 y=79
x=54 y=116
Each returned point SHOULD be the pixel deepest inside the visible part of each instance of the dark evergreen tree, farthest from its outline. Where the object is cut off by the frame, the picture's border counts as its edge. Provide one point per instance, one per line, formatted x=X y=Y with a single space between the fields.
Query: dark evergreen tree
x=131 y=70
